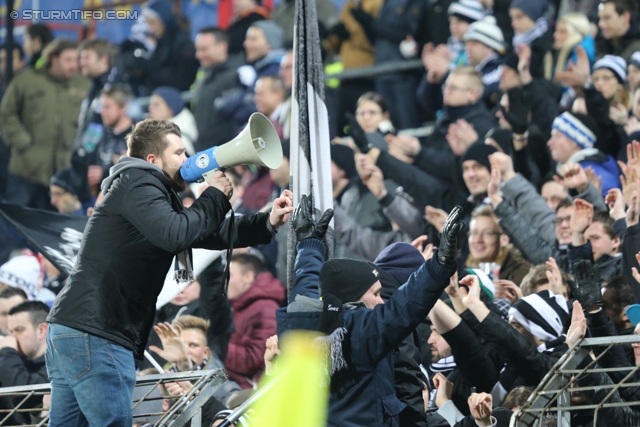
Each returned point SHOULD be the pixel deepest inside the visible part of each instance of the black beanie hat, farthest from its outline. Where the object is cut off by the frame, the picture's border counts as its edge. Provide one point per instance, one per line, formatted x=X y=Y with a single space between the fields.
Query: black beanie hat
x=511 y=60
x=479 y=152
x=348 y=279
x=343 y=158
x=72 y=183
x=503 y=137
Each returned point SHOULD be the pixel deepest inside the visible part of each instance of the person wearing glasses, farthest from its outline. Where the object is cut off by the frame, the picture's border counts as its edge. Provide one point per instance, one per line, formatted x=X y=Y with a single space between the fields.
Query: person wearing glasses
x=490 y=250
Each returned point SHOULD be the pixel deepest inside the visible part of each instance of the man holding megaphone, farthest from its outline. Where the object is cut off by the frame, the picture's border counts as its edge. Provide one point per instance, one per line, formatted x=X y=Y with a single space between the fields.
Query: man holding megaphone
x=101 y=319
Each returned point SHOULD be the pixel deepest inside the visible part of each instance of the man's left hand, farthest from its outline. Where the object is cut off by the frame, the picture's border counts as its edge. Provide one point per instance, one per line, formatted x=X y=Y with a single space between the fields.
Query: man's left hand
x=282 y=208
x=9 y=342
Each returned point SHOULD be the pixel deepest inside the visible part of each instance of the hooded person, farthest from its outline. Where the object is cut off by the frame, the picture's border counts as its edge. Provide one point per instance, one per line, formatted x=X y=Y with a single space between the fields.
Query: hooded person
x=131 y=241
x=532 y=29
x=173 y=61
x=166 y=104
x=573 y=139
x=362 y=391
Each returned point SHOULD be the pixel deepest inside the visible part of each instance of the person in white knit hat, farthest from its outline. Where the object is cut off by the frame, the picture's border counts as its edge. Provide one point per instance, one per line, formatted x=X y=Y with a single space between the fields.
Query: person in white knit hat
x=484 y=47
x=22 y=271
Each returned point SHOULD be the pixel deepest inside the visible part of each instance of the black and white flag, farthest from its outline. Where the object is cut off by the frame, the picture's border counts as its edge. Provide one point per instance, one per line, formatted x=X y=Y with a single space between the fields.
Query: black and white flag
x=56 y=236
x=310 y=144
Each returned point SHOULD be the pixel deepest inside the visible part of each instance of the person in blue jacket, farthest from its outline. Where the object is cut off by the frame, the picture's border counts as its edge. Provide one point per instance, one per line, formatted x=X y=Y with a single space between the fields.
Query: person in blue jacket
x=573 y=137
x=362 y=389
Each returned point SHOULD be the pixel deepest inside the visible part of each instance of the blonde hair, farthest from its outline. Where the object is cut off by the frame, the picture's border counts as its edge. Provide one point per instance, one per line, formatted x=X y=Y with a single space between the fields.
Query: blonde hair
x=474 y=77
x=188 y=321
x=578 y=28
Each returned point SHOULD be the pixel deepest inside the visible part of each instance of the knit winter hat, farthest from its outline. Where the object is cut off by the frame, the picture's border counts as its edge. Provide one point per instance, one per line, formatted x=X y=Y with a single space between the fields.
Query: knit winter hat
x=72 y=183
x=172 y=97
x=504 y=139
x=22 y=271
x=400 y=260
x=511 y=60
x=616 y=64
x=467 y=10
x=635 y=59
x=163 y=10
x=343 y=157
x=348 y=279
x=580 y=128
x=486 y=32
x=480 y=153
x=272 y=32
x=543 y=314
x=534 y=9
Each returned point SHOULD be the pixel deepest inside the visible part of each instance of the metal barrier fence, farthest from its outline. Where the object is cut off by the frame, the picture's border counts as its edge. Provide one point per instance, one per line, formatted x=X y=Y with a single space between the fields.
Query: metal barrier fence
x=553 y=394
x=185 y=408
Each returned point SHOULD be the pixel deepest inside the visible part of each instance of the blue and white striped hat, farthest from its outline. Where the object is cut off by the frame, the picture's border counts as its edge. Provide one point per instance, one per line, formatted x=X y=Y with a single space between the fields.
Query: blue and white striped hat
x=616 y=64
x=577 y=128
x=635 y=59
x=468 y=10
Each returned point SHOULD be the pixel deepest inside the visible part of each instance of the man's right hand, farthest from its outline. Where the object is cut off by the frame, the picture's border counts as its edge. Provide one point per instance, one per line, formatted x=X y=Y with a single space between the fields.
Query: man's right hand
x=222 y=183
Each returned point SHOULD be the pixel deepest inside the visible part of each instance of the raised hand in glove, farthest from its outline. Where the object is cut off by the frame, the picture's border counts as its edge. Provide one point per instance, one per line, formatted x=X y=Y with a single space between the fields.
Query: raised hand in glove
x=358 y=134
x=449 y=239
x=303 y=223
x=586 y=287
x=519 y=109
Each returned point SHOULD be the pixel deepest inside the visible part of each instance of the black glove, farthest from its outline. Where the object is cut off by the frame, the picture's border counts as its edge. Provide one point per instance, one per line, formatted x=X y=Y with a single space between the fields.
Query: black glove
x=586 y=288
x=340 y=31
x=361 y=16
x=447 y=251
x=332 y=316
x=519 y=108
x=303 y=223
x=358 y=134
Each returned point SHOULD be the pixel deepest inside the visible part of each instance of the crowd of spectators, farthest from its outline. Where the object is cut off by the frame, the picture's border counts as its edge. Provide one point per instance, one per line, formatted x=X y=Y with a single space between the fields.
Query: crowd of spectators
x=533 y=108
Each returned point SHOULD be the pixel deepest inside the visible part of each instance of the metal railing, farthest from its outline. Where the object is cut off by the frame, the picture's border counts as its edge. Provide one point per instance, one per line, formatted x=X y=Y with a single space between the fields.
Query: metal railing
x=185 y=408
x=553 y=394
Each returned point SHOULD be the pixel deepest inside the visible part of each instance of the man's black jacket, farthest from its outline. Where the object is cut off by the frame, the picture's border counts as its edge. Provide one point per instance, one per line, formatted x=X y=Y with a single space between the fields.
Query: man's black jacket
x=128 y=247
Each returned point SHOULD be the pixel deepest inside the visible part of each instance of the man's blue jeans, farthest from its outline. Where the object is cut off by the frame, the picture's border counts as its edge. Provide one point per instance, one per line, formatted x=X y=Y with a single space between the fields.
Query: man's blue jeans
x=92 y=379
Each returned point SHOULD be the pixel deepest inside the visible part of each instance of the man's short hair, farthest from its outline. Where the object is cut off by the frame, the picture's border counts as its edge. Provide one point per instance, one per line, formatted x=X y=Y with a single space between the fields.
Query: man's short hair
x=120 y=93
x=564 y=203
x=40 y=31
x=16 y=47
x=12 y=291
x=150 y=137
x=536 y=276
x=37 y=310
x=276 y=84
x=218 y=33
x=474 y=78
x=622 y=6
x=101 y=47
x=55 y=49
x=517 y=397
x=249 y=262
x=188 y=321
x=622 y=293
x=607 y=223
x=486 y=211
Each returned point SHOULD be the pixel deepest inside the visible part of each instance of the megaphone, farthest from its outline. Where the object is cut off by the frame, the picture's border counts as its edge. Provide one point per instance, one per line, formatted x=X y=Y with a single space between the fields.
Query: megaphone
x=257 y=144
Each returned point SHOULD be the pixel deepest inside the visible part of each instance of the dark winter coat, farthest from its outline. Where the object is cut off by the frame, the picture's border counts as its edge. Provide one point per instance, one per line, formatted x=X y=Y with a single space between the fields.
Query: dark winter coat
x=173 y=62
x=129 y=245
x=254 y=317
x=364 y=394
x=212 y=129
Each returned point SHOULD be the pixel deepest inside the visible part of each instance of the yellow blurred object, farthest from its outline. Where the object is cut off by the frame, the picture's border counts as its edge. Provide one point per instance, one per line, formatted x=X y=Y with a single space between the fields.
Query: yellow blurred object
x=300 y=395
